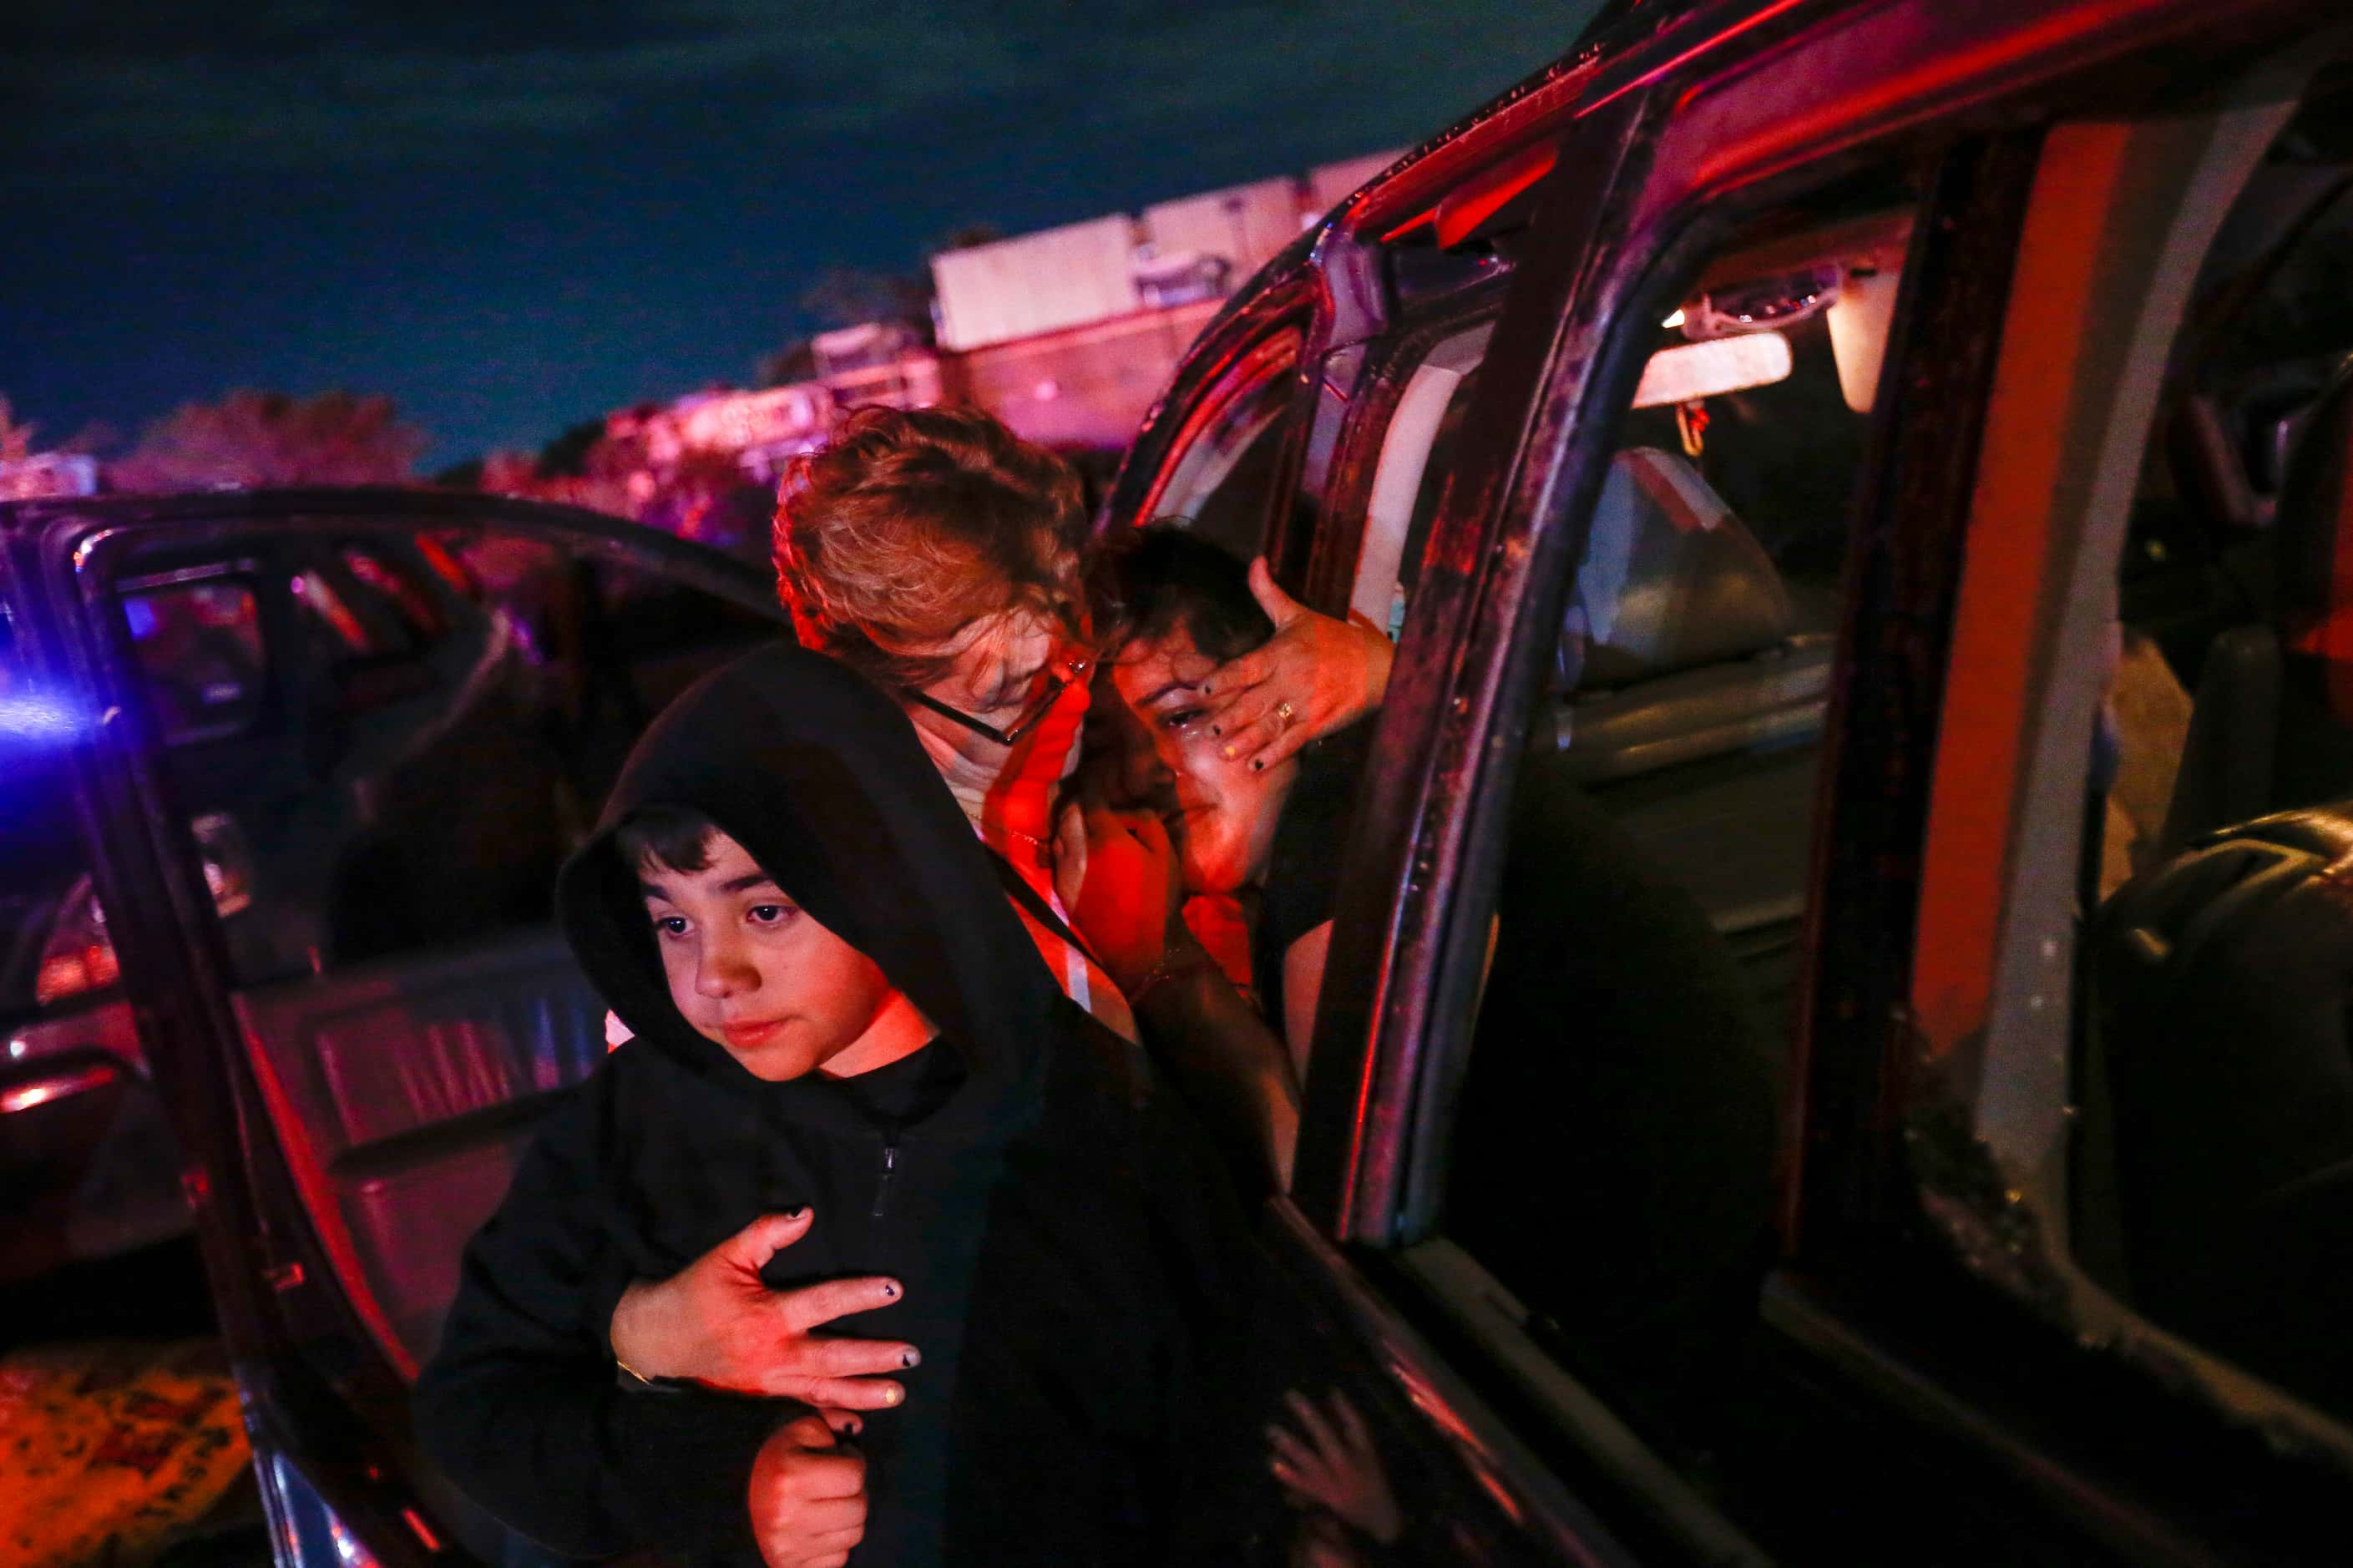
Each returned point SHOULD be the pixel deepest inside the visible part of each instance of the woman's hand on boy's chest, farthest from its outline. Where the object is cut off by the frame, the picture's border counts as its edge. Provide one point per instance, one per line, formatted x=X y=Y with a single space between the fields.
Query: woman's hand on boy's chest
x=717 y=1323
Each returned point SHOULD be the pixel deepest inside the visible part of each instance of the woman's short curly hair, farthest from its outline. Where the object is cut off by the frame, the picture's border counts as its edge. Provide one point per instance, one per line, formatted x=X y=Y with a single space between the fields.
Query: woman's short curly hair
x=912 y=523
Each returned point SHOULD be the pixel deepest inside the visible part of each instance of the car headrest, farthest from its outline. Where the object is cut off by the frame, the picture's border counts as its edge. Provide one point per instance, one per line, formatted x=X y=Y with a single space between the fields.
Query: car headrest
x=2315 y=524
x=2224 y=977
x=1671 y=579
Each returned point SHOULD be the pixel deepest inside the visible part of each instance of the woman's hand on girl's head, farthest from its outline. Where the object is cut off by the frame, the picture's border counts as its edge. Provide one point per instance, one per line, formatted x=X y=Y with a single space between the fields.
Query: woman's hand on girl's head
x=713 y=1323
x=1316 y=675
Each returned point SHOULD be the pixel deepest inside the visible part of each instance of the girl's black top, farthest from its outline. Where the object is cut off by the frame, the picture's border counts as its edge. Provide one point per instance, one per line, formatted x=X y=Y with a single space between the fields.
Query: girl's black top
x=1073 y=1264
x=1301 y=890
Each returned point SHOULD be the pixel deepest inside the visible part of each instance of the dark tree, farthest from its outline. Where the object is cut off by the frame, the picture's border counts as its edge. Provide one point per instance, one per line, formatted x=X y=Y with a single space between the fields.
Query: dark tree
x=568 y=453
x=794 y=361
x=848 y=296
x=253 y=438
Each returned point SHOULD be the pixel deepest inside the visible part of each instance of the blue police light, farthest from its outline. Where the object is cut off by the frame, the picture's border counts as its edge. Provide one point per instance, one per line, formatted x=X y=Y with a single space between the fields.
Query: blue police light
x=42 y=721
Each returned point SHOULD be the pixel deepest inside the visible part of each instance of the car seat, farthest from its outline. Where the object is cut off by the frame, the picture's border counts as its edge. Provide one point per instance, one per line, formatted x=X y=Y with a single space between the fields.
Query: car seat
x=2316 y=591
x=1692 y=701
x=1671 y=579
x=2272 y=723
x=2223 y=979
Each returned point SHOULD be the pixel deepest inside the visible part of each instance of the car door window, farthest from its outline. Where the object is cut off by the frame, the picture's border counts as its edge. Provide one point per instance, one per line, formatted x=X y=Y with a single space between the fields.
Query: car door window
x=87 y=1157
x=430 y=719
x=1239 y=452
x=2179 y=1140
x=1418 y=451
x=1692 y=678
x=1605 y=1205
x=199 y=648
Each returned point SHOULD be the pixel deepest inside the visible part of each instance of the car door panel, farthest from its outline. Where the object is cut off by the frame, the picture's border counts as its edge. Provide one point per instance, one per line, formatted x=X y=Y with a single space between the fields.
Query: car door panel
x=1469 y=1490
x=404 y=1091
x=1486 y=1311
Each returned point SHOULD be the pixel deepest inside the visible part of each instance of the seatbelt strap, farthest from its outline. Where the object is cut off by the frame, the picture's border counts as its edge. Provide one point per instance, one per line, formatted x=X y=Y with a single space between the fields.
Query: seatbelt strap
x=1039 y=909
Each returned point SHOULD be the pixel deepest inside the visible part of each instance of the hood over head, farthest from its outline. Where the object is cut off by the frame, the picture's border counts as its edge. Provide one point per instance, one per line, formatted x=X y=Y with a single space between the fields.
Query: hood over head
x=820 y=777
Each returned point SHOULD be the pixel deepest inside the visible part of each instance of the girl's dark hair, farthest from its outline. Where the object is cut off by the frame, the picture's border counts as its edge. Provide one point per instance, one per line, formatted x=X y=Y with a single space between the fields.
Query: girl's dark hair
x=675 y=838
x=1166 y=576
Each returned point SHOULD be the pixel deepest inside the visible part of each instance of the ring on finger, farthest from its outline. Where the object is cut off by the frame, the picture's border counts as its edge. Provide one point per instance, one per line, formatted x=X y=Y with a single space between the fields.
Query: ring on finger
x=1284 y=712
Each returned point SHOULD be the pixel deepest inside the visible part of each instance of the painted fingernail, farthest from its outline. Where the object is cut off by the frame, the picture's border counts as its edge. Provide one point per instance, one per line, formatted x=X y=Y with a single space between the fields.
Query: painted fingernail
x=1227 y=753
x=1217 y=729
x=892 y=1395
x=1256 y=766
x=890 y=1289
x=909 y=1356
x=1206 y=691
x=797 y=1211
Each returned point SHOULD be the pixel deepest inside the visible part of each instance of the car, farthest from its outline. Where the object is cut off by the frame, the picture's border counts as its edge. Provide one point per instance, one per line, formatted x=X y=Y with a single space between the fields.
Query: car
x=1858 y=493
x=1834 y=1039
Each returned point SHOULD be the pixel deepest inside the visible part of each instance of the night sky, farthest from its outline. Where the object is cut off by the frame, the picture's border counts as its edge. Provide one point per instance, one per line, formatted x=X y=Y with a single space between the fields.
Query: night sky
x=513 y=217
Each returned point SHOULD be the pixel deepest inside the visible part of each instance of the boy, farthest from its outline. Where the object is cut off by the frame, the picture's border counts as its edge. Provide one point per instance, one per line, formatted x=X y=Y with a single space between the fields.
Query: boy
x=835 y=1008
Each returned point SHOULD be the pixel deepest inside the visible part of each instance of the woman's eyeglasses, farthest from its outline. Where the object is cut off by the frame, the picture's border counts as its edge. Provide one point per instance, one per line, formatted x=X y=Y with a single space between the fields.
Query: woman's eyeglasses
x=1070 y=668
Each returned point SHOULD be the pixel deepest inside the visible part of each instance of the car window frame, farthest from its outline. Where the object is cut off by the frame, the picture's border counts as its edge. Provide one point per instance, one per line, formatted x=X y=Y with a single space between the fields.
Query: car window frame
x=1386 y=978
x=245 y=574
x=1328 y=572
x=1295 y=300
x=1252 y=366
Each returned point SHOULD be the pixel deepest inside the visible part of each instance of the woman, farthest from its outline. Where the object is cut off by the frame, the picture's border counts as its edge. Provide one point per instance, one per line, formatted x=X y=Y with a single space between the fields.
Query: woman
x=944 y=557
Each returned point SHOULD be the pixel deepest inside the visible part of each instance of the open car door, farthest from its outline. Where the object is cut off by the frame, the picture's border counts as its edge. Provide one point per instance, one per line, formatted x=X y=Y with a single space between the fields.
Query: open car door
x=346 y=740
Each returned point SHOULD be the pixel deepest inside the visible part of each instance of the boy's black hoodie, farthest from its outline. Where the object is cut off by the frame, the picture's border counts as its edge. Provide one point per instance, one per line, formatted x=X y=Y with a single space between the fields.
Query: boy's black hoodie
x=1070 y=1259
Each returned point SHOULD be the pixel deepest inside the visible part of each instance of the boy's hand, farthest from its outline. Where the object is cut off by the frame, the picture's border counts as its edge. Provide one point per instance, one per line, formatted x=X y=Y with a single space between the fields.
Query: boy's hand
x=807 y=1497
x=713 y=1323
